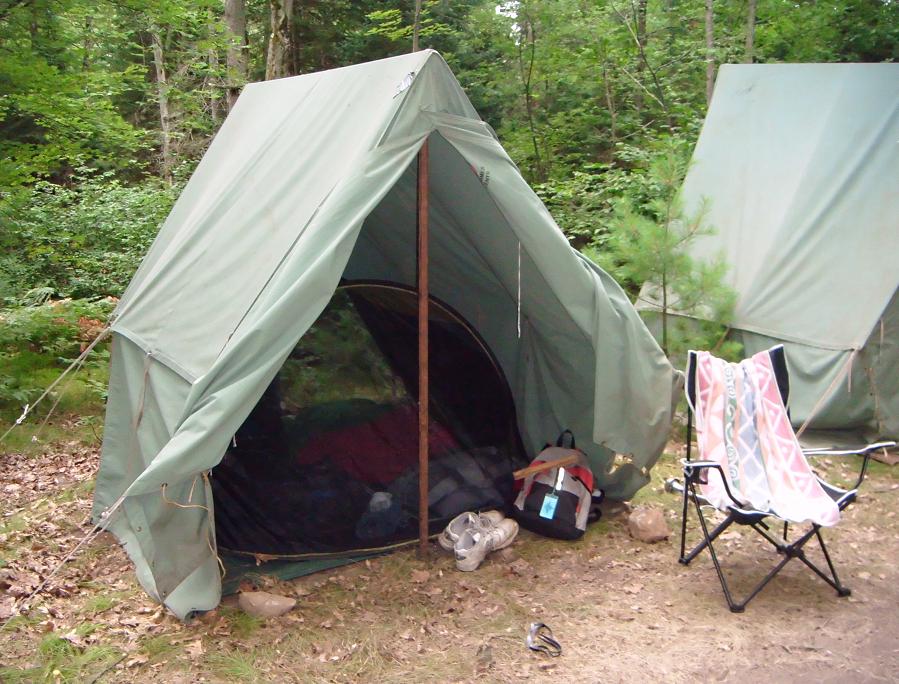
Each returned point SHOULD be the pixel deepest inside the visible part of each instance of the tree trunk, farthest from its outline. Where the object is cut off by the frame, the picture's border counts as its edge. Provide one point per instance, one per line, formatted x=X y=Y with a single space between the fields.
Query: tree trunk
x=527 y=73
x=162 y=94
x=277 y=64
x=750 y=33
x=416 y=26
x=709 y=51
x=640 y=21
x=610 y=102
x=236 y=58
x=214 y=85
x=88 y=43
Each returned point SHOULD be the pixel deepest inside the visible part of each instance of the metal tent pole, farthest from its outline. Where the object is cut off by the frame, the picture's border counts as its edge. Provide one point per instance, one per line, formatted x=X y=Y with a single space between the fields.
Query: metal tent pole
x=423 y=293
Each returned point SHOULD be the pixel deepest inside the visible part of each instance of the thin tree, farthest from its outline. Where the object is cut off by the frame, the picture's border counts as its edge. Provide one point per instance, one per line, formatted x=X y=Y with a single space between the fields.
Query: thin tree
x=527 y=36
x=276 y=63
x=640 y=38
x=416 y=26
x=235 y=16
x=750 y=32
x=162 y=96
x=709 y=50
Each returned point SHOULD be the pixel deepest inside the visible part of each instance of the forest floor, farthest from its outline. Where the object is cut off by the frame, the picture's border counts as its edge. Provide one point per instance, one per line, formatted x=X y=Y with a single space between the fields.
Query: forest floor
x=623 y=611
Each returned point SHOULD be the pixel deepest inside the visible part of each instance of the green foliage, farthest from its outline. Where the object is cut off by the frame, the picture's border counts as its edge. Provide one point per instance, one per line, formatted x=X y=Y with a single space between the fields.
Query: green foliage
x=338 y=359
x=579 y=93
x=55 y=114
x=390 y=24
x=79 y=241
x=37 y=343
x=647 y=250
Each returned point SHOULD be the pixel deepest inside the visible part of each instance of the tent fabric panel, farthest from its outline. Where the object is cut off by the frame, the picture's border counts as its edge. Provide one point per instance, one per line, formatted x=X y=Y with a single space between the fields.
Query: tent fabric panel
x=467 y=231
x=799 y=170
x=146 y=400
x=817 y=373
x=881 y=355
x=552 y=368
x=242 y=212
x=596 y=306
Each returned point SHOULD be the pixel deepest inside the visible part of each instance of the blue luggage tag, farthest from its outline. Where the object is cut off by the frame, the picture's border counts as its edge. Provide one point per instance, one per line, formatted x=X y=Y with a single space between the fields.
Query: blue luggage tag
x=548 y=509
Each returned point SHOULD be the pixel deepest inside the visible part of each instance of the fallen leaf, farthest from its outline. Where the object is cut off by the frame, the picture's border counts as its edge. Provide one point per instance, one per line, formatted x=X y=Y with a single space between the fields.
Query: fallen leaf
x=195 y=649
x=139 y=659
x=420 y=576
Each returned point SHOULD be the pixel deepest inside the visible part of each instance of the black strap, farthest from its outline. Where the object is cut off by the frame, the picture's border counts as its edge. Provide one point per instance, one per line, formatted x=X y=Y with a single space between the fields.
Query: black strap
x=540 y=639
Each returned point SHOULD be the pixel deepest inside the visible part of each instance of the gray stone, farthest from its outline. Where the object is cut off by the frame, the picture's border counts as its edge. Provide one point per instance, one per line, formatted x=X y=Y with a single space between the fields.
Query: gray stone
x=261 y=604
x=648 y=525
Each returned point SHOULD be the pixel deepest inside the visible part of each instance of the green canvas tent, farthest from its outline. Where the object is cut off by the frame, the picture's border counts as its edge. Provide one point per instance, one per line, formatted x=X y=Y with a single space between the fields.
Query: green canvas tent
x=798 y=166
x=310 y=184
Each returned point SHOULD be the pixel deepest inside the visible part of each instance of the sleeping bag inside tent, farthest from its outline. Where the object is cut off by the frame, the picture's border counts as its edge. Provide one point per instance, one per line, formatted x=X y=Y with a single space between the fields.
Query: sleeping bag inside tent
x=328 y=458
x=263 y=379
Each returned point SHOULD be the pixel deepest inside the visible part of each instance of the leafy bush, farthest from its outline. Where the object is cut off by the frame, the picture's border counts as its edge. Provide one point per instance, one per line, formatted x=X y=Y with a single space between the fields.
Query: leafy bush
x=38 y=342
x=80 y=241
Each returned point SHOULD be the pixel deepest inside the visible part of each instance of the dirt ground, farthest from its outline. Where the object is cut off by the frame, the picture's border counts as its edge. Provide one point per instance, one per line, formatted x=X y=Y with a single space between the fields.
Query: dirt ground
x=623 y=611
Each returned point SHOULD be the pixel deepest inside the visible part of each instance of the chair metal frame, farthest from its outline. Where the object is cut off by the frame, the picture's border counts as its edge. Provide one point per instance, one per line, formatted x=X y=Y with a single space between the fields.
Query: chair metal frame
x=697 y=472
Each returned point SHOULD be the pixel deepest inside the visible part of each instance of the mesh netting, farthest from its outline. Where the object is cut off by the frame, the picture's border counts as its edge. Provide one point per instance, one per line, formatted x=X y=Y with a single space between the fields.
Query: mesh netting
x=328 y=459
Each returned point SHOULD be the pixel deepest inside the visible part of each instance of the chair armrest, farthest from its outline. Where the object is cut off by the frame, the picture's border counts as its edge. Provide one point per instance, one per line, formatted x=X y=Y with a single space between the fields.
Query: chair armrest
x=694 y=469
x=865 y=452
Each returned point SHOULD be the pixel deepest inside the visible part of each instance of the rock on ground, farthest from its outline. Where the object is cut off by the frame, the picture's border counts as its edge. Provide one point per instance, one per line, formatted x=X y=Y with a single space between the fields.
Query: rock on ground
x=648 y=525
x=261 y=604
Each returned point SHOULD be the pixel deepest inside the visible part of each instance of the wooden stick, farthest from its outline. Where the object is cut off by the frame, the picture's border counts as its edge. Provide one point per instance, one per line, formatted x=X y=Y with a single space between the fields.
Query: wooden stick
x=568 y=460
x=423 y=293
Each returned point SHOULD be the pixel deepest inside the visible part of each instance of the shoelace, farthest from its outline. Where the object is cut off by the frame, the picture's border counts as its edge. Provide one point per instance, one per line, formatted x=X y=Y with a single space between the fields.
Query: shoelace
x=540 y=639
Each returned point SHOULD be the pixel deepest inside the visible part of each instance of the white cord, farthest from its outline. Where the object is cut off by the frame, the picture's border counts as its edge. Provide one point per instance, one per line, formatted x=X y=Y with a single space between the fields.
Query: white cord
x=519 y=290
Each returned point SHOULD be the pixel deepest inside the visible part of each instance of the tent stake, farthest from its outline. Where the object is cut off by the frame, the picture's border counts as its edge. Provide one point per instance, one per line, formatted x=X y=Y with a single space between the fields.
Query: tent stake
x=423 y=294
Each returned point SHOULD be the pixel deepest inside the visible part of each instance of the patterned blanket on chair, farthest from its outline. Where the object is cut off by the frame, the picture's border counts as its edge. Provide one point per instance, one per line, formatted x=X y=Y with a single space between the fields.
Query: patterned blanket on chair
x=742 y=424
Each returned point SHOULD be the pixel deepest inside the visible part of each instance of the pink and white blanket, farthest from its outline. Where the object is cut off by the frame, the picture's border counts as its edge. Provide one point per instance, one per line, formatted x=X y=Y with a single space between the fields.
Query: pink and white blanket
x=742 y=424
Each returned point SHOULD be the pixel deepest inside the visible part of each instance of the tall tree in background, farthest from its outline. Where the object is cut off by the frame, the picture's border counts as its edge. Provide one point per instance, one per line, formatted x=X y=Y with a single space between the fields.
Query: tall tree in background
x=235 y=18
x=640 y=39
x=416 y=26
x=709 y=50
x=162 y=98
x=277 y=64
x=527 y=49
x=750 y=32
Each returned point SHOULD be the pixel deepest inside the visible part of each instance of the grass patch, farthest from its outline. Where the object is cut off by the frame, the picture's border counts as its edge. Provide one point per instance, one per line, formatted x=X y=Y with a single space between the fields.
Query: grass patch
x=20 y=622
x=241 y=624
x=235 y=665
x=158 y=647
x=58 y=660
x=100 y=604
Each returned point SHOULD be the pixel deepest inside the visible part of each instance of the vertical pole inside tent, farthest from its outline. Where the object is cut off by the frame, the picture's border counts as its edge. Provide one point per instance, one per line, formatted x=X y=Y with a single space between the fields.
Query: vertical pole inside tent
x=423 y=293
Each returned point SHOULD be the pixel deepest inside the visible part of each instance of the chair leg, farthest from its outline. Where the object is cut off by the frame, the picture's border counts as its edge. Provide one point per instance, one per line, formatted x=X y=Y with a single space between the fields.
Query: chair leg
x=789 y=552
x=708 y=538
x=833 y=580
x=683 y=526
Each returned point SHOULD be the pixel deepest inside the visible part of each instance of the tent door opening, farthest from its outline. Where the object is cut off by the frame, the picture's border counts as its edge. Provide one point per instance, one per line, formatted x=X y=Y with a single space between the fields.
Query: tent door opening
x=327 y=461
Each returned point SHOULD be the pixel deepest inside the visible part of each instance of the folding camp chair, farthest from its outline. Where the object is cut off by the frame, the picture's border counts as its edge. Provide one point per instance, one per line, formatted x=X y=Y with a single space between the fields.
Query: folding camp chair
x=697 y=474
